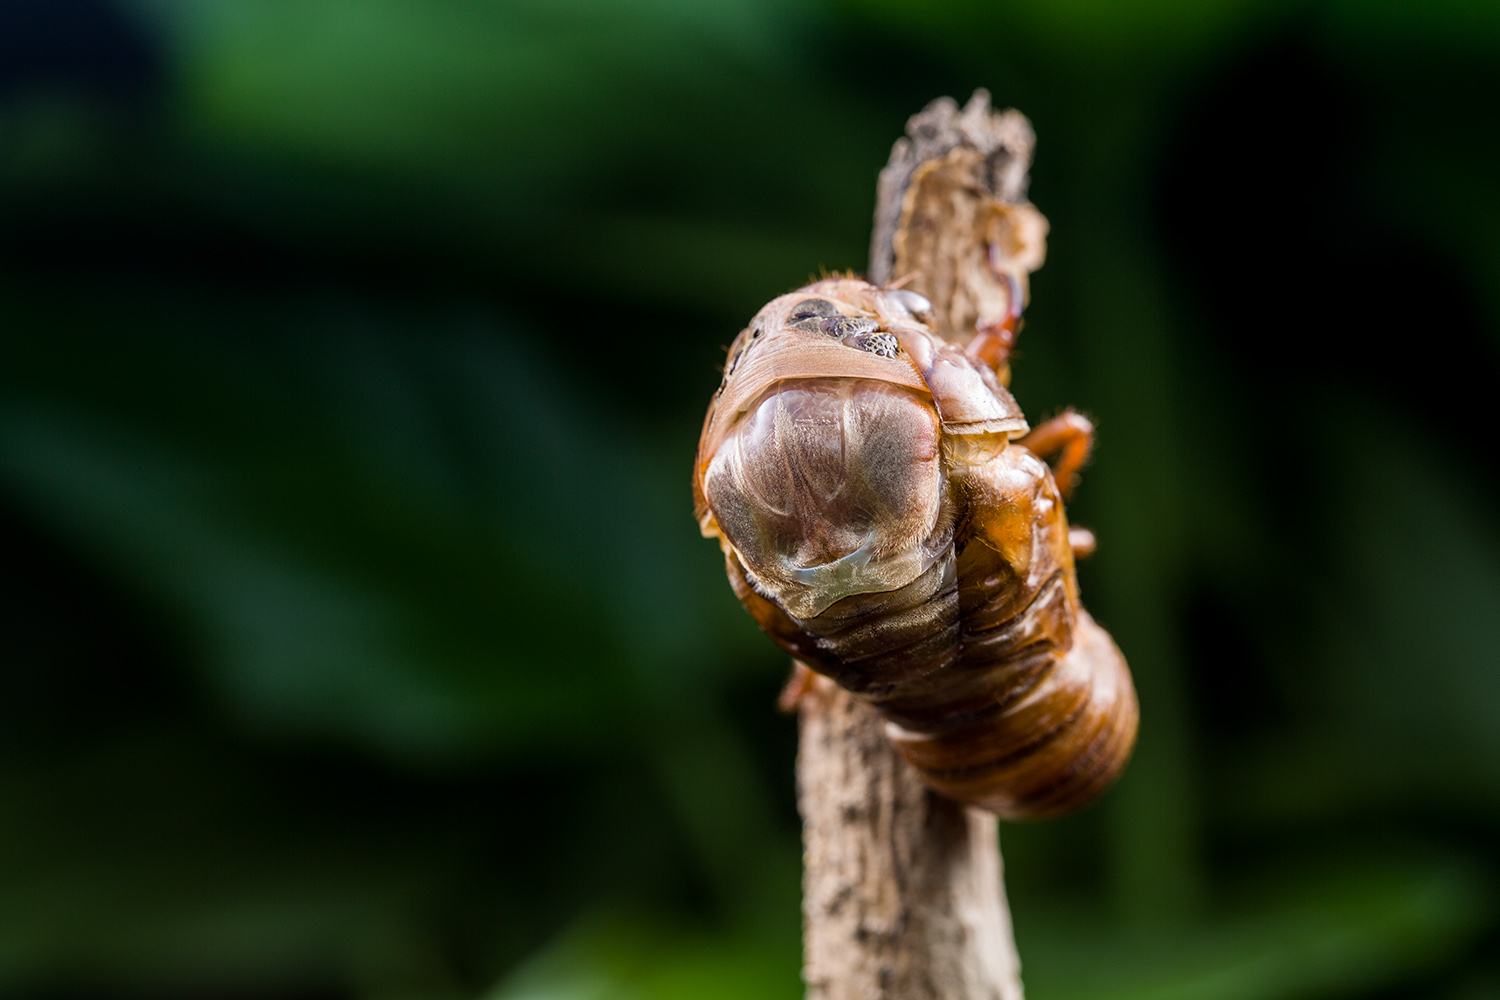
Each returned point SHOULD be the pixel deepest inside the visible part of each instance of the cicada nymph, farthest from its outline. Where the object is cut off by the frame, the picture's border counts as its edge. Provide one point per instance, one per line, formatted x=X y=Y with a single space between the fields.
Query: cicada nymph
x=887 y=517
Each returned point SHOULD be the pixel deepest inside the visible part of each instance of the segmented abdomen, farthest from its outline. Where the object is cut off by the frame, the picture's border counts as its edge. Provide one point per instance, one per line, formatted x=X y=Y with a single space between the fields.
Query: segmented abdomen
x=997 y=686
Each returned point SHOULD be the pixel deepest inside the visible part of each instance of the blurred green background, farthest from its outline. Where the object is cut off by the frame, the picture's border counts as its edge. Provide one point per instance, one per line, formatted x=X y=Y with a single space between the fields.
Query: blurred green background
x=357 y=638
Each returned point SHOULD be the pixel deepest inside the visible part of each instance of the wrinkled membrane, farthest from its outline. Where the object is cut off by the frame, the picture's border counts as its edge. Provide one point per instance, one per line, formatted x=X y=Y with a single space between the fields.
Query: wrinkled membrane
x=831 y=487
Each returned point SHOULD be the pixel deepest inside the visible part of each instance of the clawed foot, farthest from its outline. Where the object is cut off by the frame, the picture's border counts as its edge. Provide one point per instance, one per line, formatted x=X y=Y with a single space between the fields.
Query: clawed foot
x=803 y=685
x=1069 y=436
x=1082 y=541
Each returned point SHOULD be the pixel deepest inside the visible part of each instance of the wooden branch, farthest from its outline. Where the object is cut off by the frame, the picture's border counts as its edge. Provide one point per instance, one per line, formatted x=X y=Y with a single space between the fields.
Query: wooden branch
x=902 y=890
x=1004 y=141
x=903 y=897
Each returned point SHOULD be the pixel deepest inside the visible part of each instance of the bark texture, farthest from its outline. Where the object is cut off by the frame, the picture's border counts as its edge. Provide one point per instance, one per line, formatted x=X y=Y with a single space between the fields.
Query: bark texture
x=1004 y=142
x=903 y=897
x=902 y=890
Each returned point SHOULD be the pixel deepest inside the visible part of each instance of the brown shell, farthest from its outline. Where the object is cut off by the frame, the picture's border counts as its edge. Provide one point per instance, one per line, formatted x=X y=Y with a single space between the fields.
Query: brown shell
x=998 y=687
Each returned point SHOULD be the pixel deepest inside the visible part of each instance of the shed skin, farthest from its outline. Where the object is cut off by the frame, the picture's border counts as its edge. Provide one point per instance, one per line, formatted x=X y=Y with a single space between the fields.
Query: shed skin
x=881 y=522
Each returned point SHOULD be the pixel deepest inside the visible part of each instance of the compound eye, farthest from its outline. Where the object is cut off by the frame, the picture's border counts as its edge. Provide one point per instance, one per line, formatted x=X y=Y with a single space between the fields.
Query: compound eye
x=884 y=344
x=839 y=327
x=811 y=309
x=822 y=316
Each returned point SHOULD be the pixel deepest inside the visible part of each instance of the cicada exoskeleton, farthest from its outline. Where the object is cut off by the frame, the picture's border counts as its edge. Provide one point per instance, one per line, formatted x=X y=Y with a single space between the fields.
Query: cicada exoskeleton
x=887 y=517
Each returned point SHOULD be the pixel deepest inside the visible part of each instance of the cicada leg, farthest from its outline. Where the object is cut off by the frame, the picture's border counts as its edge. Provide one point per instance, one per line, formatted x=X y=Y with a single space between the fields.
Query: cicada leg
x=804 y=683
x=1070 y=437
x=1081 y=541
x=994 y=341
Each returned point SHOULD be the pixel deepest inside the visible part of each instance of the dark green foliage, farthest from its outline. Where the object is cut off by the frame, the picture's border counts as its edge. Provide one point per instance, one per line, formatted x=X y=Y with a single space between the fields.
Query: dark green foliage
x=357 y=638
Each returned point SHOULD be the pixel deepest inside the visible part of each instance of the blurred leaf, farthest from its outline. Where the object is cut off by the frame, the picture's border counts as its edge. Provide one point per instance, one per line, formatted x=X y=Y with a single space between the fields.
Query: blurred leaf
x=429 y=545
x=1340 y=927
x=620 y=957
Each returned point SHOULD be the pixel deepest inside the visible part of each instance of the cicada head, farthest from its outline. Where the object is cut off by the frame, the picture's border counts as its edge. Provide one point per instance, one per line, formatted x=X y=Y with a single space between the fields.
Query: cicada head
x=821 y=461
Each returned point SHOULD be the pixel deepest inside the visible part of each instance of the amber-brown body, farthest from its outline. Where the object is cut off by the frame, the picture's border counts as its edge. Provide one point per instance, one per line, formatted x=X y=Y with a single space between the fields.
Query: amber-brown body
x=883 y=521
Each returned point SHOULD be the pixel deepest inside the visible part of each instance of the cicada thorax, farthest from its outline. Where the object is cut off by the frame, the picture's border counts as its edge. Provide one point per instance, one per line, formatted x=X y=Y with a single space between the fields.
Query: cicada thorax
x=880 y=525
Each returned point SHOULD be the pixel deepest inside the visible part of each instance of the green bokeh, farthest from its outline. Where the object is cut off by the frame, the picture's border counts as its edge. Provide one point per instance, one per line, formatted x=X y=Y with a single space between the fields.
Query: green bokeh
x=358 y=641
